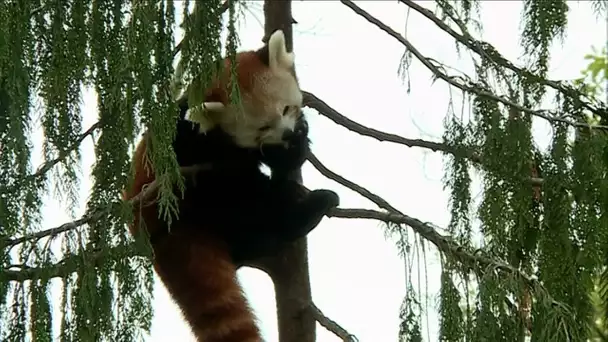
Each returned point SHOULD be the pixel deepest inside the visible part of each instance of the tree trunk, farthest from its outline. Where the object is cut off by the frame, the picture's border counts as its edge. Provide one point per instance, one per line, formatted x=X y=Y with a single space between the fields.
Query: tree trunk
x=289 y=268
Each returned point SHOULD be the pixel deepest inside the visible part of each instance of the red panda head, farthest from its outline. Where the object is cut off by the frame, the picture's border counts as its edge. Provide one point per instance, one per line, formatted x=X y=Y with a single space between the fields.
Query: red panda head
x=271 y=99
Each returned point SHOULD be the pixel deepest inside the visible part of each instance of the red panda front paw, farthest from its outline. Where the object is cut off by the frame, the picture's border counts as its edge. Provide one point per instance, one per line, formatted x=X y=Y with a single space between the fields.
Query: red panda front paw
x=307 y=213
x=283 y=159
x=323 y=200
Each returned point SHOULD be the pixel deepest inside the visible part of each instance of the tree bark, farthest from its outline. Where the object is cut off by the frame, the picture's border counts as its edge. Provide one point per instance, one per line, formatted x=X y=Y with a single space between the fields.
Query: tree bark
x=289 y=268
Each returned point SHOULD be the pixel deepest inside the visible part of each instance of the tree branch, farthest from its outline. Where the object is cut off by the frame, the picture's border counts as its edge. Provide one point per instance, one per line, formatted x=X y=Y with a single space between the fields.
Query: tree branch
x=69 y=264
x=53 y=231
x=444 y=244
x=326 y=110
x=486 y=49
x=331 y=325
x=179 y=45
x=311 y=101
x=546 y=114
x=44 y=168
x=143 y=198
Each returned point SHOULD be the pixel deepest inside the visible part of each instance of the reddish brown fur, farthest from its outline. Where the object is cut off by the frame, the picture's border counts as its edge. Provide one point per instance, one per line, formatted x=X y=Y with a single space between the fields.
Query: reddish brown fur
x=248 y=63
x=196 y=270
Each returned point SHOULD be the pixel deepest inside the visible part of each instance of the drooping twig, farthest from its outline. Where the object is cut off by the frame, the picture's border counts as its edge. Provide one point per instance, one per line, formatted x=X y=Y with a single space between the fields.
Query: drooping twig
x=36 y=10
x=546 y=114
x=331 y=325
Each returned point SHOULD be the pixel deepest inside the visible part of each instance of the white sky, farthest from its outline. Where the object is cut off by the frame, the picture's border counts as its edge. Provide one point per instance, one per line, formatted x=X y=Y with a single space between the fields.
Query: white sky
x=357 y=276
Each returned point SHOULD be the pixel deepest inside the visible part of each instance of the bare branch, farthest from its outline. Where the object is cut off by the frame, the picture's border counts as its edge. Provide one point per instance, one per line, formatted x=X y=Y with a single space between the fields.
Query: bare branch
x=485 y=49
x=331 y=325
x=546 y=114
x=443 y=243
x=326 y=110
x=36 y=10
x=67 y=266
x=76 y=144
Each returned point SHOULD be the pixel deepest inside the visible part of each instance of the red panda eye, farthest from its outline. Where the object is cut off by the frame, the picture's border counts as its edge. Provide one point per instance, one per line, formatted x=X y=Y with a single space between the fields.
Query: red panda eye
x=285 y=110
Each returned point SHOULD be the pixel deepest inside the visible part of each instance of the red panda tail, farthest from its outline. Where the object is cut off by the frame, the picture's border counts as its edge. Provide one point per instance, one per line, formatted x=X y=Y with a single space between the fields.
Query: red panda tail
x=197 y=271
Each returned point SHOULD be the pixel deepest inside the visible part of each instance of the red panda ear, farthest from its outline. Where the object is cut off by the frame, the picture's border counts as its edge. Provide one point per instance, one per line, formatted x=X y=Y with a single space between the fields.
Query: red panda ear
x=278 y=57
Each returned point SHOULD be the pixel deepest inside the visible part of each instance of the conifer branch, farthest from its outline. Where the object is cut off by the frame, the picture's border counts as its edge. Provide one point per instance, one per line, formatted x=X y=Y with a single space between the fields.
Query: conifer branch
x=486 y=50
x=331 y=325
x=44 y=168
x=469 y=86
x=70 y=264
x=179 y=45
x=143 y=198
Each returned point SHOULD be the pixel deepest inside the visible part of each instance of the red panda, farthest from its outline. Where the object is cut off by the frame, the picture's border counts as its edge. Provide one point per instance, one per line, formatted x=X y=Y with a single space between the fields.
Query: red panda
x=233 y=213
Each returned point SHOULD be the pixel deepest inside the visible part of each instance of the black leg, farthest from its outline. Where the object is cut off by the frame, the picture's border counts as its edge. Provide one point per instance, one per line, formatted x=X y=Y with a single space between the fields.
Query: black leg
x=306 y=214
x=288 y=222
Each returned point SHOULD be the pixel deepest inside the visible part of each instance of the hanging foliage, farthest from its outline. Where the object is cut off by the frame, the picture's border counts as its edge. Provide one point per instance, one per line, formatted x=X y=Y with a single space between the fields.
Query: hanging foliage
x=49 y=52
x=542 y=218
x=557 y=230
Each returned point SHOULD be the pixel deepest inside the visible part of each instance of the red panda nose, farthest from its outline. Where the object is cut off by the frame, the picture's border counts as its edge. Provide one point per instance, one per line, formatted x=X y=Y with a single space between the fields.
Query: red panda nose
x=287 y=135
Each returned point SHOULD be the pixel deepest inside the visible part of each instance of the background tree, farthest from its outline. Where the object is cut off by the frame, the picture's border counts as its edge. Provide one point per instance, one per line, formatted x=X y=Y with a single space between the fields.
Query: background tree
x=542 y=217
x=593 y=80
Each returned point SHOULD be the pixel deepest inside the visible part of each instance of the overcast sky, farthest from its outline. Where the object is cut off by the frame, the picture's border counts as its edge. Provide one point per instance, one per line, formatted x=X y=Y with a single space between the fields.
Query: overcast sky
x=357 y=276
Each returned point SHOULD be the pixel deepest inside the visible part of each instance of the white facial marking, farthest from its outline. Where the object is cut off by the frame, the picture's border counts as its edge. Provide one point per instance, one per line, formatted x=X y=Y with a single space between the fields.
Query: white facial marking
x=199 y=114
x=261 y=118
x=287 y=122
